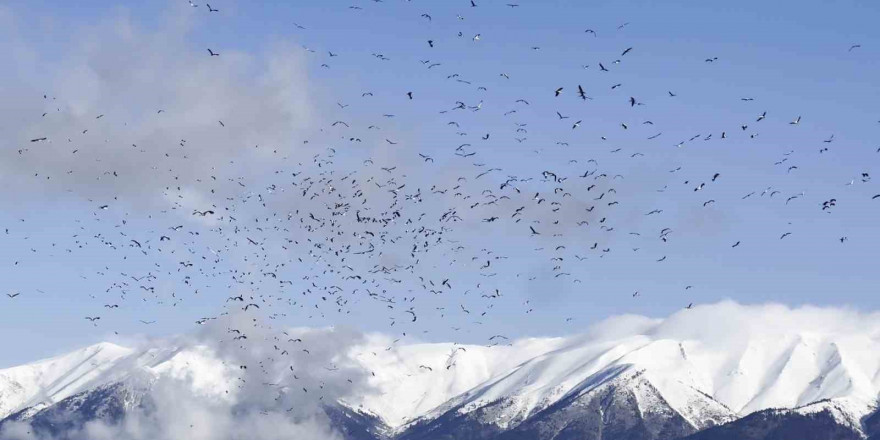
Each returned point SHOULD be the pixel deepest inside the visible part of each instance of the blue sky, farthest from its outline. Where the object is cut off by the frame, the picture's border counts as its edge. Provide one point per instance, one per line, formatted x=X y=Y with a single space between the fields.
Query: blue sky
x=793 y=58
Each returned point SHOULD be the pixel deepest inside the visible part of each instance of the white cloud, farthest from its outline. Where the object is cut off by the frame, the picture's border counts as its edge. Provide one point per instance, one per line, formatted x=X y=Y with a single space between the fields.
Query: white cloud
x=128 y=74
x=732 y=322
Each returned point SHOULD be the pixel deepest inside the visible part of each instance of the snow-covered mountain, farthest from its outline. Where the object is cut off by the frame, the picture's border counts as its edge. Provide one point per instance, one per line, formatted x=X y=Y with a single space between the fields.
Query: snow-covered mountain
x=52 y=380
x=717 y=372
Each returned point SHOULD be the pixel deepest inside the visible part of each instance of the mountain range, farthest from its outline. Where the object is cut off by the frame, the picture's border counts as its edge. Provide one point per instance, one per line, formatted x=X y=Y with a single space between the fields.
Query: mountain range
x=633 y=378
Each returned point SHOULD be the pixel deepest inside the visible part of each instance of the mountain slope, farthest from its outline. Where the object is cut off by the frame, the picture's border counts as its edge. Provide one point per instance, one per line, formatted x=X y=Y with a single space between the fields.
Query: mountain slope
x=698 y=383
x=57 y=378
x=108 y=403
x=410 y=381
x=828 y=420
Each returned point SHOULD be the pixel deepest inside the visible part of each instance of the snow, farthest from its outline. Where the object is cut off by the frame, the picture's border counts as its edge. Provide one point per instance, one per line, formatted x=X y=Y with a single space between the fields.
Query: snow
x=846 y=412
x=57 y=378
x=403 y=390
x=199 y=365
x=48 y=381
x=710 y=364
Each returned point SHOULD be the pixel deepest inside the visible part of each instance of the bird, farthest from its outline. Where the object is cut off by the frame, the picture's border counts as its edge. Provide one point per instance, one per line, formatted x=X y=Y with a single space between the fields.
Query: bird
x=13 y=295
x=210 y=9
x=314 y=232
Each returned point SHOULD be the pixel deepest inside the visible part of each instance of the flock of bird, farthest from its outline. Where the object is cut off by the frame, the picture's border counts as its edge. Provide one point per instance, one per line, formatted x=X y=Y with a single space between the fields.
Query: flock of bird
x=323 y=237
